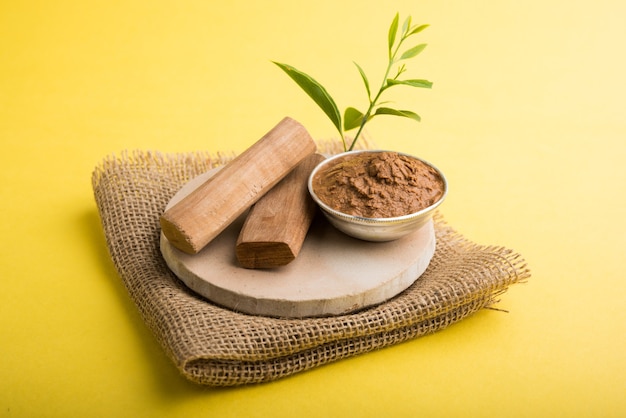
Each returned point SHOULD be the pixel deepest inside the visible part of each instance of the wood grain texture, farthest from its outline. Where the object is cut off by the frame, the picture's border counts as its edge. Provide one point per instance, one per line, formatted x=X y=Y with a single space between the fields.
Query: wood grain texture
x=198 y=218
x=277 y=224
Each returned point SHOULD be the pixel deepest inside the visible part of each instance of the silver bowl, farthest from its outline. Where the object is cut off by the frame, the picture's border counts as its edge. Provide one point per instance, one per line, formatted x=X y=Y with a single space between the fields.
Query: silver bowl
x=375 y=229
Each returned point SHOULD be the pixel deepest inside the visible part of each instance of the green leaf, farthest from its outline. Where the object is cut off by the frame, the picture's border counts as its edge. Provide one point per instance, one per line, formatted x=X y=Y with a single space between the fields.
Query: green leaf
x=410 y=53
x=406 y=26
x=393 y=29
x=417 y=29
x=365 y=81
x=395 y=112
x=413 y=83
x=352 y=118
x=316 y=91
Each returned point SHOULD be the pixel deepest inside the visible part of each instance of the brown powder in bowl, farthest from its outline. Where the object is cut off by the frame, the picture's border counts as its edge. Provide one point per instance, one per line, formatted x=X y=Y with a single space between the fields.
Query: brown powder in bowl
x=378 y=184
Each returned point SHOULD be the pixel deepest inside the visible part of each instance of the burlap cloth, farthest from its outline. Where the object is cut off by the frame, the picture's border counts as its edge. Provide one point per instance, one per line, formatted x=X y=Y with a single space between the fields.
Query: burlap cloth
x=217 y=346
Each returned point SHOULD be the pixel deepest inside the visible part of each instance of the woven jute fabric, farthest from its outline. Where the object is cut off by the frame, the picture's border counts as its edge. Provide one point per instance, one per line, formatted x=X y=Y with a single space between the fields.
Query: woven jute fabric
x=216 y=346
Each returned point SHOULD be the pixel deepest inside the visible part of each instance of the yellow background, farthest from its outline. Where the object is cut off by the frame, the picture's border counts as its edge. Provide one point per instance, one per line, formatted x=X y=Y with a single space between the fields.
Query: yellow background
x=526 y=118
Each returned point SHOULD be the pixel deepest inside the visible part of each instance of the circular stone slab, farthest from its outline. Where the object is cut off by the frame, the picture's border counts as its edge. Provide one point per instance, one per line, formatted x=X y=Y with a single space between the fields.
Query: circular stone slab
x=334 y=274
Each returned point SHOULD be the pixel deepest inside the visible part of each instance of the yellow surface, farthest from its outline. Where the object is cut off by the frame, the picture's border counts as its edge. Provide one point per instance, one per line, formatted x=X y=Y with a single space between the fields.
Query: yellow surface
x=526 y=118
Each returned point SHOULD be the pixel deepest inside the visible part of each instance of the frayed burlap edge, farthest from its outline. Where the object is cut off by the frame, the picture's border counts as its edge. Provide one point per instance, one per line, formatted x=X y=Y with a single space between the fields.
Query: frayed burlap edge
x=216 y=346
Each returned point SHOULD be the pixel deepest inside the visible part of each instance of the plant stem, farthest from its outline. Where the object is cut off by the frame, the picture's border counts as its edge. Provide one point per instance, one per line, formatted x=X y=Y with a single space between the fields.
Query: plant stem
x=372 y=104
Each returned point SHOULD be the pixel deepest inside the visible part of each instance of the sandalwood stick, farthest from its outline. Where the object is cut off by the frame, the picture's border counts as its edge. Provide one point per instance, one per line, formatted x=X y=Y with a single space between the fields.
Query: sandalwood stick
x=277 y=224
x=204 y=213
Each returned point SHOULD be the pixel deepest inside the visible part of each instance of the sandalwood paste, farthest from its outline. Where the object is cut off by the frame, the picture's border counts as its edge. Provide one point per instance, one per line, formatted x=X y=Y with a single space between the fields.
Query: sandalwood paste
x=378 y=185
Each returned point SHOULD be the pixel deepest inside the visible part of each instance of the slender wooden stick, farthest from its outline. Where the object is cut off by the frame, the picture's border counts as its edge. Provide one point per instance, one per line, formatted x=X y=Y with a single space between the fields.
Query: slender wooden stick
x=277 y=224
x=204 y=213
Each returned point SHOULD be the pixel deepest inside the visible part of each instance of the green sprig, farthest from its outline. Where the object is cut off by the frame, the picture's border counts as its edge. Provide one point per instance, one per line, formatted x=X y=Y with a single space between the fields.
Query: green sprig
x=352 y=117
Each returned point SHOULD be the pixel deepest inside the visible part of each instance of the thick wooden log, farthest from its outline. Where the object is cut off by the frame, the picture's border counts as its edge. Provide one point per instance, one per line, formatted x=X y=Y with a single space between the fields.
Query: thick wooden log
x=277 y=224
x=203 y=214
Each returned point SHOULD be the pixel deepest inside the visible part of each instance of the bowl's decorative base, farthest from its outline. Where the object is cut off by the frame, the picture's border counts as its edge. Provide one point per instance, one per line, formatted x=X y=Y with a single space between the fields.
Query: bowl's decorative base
x=334 y=274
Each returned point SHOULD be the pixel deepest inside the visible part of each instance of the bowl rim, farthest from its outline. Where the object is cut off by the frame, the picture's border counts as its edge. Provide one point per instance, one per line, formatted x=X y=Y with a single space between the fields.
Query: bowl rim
x=366 y=220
